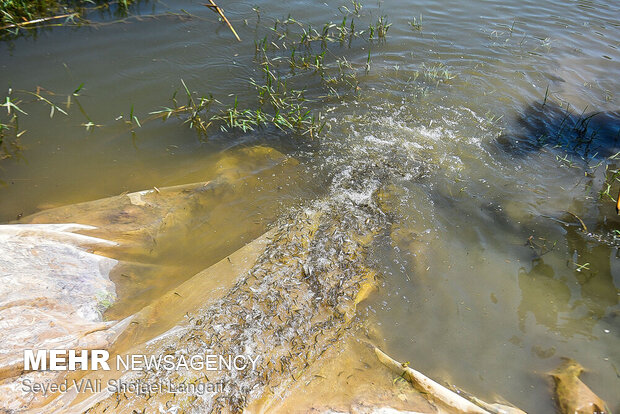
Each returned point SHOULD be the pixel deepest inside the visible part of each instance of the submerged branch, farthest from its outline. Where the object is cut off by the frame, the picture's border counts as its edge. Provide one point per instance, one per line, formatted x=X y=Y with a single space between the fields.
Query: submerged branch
x=583 y=225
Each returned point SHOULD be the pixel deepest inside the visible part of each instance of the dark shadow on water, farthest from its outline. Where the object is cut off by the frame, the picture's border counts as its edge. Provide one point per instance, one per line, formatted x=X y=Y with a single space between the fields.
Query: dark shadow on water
x=572 y=299
x=583 y=134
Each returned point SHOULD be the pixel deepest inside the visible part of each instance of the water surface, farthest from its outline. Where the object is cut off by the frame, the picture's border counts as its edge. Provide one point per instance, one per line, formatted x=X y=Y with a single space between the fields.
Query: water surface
x=487 y=279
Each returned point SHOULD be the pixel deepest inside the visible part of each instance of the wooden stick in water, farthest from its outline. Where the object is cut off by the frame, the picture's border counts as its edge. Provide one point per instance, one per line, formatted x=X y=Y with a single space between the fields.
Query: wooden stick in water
x=438 y=392
x=583 y=225
x=219 y=11
x=41 y=20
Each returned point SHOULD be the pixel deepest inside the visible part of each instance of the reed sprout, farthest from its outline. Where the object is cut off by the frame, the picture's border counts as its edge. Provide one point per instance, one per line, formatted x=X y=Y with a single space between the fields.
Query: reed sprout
x=416 y=24
x=10 y=132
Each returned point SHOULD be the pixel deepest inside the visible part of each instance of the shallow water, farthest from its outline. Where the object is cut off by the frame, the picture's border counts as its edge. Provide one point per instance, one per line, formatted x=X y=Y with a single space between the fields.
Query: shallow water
x=485 y=282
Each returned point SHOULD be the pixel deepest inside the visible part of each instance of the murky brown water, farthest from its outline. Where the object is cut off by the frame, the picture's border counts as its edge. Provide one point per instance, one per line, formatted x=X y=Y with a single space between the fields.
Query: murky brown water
x=474 y=168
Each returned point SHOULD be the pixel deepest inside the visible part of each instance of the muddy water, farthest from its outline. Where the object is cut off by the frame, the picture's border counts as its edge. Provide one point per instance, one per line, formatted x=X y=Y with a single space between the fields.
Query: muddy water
x=487 y=280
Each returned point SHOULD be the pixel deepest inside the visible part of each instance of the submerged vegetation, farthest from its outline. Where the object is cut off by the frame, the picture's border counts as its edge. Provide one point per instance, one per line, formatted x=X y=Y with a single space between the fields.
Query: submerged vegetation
x=612 y=178
x=579 y=139
x=16 y=14
x=10 y=132
x=416 y=23
x=298 y=68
